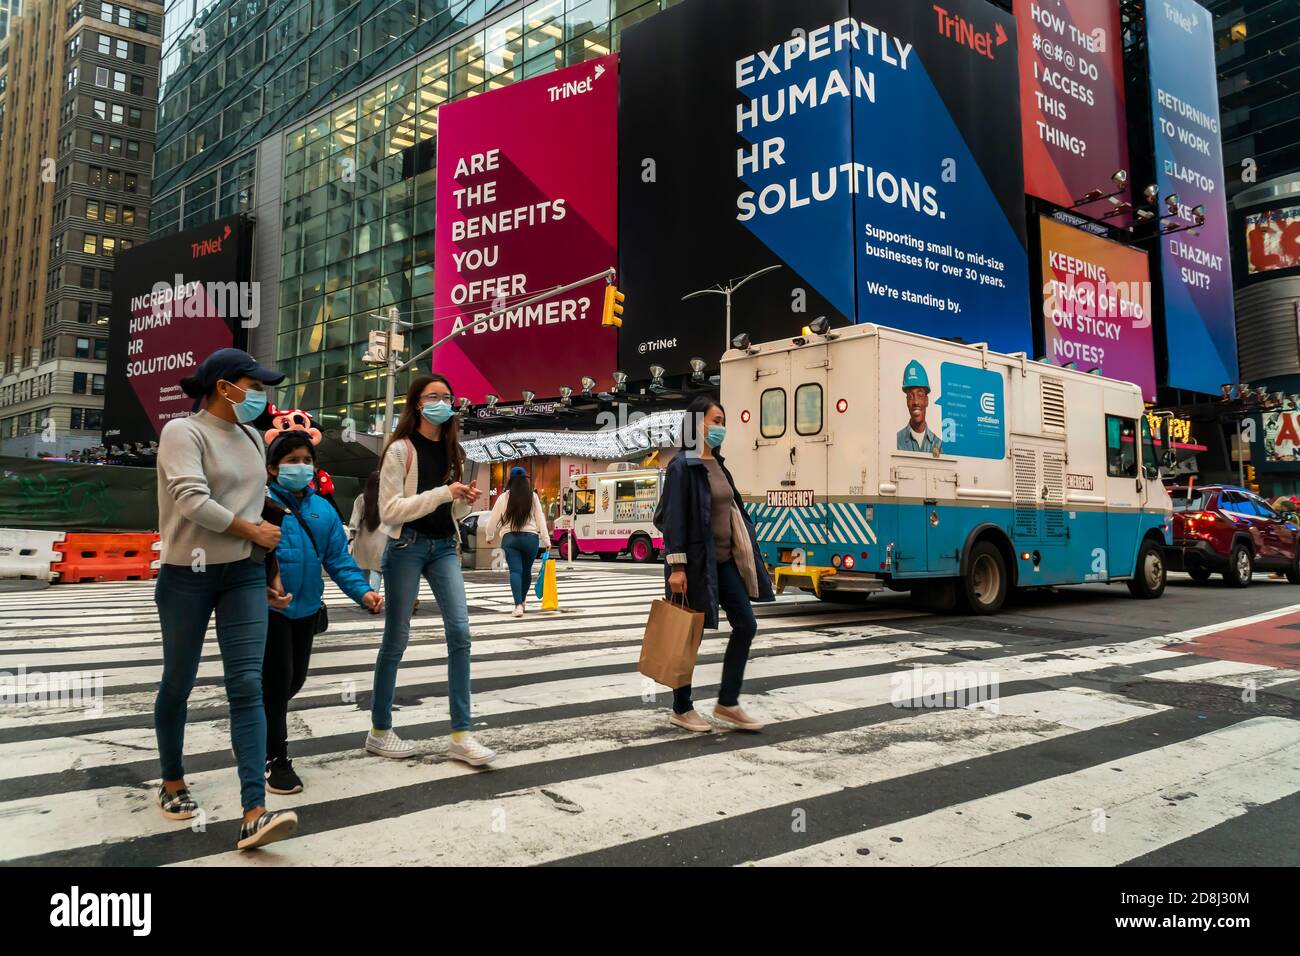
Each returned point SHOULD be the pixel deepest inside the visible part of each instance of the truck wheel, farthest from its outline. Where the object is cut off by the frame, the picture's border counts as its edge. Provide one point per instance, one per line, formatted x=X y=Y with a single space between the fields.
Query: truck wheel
x=1149 y=575
x=562 y=546
x=641 y=549
x=1293 y=572
x=1199 y=575
x=983 y=588
x=1241 y=566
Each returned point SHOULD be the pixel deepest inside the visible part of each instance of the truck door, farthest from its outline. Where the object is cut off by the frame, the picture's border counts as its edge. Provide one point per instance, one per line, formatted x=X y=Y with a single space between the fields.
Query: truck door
x=1124 y=494
x=943 y=532
x=812 y=440
x=912 y=549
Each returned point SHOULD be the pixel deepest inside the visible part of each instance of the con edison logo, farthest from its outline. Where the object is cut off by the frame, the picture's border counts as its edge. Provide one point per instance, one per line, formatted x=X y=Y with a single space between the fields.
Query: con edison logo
x=208 y=246
x=989 y=403
x=76 y=909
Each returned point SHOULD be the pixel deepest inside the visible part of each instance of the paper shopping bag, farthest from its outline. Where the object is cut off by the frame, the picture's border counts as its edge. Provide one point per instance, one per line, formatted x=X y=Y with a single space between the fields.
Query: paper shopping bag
x=672 y=639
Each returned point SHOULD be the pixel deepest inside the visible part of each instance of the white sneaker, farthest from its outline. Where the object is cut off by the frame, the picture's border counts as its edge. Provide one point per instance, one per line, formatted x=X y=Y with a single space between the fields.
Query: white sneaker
x=518 y=611
x=470 y=751
x=389 y=745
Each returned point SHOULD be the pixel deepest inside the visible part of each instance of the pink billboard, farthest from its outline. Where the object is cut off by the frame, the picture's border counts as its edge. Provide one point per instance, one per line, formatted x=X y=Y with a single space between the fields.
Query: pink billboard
x=527 y=201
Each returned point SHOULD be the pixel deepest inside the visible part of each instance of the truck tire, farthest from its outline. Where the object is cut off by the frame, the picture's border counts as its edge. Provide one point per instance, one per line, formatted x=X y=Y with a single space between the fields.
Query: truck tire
x=983 y=588
x=642 y=551
x=1241 y=566
x=1149 y=574
x=562 y=546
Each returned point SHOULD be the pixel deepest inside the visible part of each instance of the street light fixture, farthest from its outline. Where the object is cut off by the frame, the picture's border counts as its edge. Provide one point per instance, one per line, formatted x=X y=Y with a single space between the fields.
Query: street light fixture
x=528 y=397
x=697 y=370
x=657 y=376
x=492 y=398
x=566 y=394
x=463 y=404
x=727 y=290
x=620 y=381
x=742 y=342
x=588 y=383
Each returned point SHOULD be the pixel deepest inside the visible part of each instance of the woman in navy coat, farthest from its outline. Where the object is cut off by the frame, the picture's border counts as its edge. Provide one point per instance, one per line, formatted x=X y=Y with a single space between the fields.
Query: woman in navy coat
x=712 y=557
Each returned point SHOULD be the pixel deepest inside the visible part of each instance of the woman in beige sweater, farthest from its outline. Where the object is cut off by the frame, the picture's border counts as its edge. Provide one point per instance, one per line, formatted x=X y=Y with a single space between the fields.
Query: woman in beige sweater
x=520 y=511
x=420 y=477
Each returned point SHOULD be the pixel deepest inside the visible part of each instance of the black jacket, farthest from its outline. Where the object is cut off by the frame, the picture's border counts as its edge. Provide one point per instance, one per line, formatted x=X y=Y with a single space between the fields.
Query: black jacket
x=687 y=504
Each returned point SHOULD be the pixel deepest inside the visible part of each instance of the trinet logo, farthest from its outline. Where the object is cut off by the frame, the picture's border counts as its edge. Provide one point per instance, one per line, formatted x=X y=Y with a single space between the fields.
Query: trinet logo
x=962 y=31
x=208 y=246
x=1186 y=22
x=77 y=909
x=575 y=87
x=656 y=344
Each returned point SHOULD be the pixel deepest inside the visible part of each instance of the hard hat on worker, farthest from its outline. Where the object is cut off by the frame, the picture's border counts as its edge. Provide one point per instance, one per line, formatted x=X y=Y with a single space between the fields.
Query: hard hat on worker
x=914 y=376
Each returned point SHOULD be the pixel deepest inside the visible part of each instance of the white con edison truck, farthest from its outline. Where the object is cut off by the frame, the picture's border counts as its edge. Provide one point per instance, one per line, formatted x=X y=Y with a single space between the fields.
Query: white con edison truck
x=872 y=458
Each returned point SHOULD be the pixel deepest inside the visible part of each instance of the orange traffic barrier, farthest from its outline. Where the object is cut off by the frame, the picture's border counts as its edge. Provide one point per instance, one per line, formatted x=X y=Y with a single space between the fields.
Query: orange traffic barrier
x=105 y=557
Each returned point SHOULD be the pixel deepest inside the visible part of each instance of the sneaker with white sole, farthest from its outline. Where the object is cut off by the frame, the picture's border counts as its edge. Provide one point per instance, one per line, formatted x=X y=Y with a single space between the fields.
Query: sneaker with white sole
x=271 y=826
x=518 y=611
x=388 y=744
x=470 y=751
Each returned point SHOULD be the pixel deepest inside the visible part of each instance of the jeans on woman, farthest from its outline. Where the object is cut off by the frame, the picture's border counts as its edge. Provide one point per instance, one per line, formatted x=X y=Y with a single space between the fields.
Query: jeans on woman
x=734 y=600
x=186 y=600
x=407 y=559
x=520 y=548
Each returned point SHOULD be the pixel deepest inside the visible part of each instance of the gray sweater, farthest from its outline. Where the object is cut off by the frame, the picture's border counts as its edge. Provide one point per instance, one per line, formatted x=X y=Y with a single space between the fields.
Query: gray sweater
x=209 y=472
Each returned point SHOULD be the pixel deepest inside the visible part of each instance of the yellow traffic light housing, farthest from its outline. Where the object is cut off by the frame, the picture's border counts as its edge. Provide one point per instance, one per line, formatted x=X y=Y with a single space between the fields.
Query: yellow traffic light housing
x=613 y=308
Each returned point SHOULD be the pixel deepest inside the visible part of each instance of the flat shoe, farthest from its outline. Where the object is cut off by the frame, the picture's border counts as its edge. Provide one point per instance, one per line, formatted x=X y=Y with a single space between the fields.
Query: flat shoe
x=737 y=718
x=689 y=721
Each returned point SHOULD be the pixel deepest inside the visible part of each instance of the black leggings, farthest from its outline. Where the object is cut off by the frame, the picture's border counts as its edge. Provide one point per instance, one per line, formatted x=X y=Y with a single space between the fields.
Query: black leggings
x=284 y=669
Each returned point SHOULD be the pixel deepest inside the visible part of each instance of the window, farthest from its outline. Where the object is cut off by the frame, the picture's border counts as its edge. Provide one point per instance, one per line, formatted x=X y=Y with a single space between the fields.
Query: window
x=1121 y=447
x=132 y=149
x=105 y=280
x=70 y=78
x=115 y=146
x=83 y=348
x=128 y=215
x=85 y=312
x=586 y=501
x=87 y=278
x=97 y=142
x=95 y=176
x=90 y=244
x=119 y=81
x=118 y=114
x=134 y=118
x=92 y=210
x=109 y=245
x=808 y=409
x=110 y=212
x=97 y=385
x=1150 y=460
x=101 y=348
x=129 y=184
x=79 y=381
x=100 y=109
x=140 y=21
x=137 y=84
x=137 y=52
x=101 y=76
x=114 y=179
x=771 y=413
x=105 y=45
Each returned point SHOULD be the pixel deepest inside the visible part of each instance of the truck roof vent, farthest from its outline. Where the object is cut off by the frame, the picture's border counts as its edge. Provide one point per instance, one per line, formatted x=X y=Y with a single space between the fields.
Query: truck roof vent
x=1053 y=404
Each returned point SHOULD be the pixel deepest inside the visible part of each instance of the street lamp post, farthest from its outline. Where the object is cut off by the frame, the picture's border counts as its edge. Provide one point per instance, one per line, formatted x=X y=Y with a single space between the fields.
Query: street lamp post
x=726 y=291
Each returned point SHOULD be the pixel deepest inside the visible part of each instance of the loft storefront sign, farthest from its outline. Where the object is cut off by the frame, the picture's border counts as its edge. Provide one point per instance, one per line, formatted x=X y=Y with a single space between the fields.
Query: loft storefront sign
x=640 y=435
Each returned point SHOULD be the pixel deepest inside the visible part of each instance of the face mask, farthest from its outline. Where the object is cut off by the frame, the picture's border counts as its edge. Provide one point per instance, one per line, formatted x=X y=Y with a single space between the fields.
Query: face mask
x=296 y=477
x=715 y=434
x=254 y=404
x=436 y=412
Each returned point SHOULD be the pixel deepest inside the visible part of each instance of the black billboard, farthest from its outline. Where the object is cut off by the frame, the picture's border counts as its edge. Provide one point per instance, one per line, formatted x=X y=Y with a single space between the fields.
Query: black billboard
x=175 y=300
x=871 y=148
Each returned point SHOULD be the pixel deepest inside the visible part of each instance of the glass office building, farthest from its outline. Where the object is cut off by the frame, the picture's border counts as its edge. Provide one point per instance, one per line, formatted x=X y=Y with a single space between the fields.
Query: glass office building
x=323 y=116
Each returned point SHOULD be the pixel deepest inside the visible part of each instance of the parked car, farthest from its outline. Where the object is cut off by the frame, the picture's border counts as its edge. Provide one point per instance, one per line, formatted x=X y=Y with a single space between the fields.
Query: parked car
x=1220 y=529
x=475 y=552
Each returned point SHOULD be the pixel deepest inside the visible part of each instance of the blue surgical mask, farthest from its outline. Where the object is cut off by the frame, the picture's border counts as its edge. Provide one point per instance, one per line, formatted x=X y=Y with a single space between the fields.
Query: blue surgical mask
x=296 y=477
x=436 y=412
x=715 y=434
x=254 y=404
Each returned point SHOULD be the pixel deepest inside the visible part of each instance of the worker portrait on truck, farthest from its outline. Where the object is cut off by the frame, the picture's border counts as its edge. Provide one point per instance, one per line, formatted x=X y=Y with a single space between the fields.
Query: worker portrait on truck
x=916 y=434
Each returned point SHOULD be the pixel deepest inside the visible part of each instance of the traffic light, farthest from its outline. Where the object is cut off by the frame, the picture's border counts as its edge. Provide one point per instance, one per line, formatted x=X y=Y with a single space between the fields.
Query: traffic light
x=609 y=315
x=1250 y=474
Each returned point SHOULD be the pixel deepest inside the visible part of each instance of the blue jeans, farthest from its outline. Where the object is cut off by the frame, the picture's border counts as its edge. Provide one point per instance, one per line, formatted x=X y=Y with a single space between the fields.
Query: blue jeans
x=407 y=559
x=520 y=548
x=186 y=600
x=734 y=600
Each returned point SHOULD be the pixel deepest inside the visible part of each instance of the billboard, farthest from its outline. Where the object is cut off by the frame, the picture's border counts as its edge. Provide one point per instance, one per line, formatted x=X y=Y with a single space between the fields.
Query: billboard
x=1097 y=305
x=1273 y=240
x=1071 y=97
x=175 y=300
x=1200 y=329
x=766 y=133
x=527 y=200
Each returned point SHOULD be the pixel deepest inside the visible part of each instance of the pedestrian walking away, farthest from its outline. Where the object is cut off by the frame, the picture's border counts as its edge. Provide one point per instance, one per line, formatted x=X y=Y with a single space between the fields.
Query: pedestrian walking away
x=367 y=537
x=712 y=557
x=519 y=510
x=420 y=480
x=312 y=538
x=211 y=490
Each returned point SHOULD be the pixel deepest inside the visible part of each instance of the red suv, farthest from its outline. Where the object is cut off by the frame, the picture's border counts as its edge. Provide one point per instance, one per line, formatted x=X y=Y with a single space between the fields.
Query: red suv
x=1218 y=528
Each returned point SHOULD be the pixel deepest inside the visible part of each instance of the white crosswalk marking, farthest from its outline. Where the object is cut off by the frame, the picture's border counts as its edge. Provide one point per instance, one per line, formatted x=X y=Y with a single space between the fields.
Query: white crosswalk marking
x=590 y=770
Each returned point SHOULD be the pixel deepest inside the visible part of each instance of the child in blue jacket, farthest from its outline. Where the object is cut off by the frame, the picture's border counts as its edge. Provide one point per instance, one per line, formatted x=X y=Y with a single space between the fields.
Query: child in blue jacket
x=312 y=537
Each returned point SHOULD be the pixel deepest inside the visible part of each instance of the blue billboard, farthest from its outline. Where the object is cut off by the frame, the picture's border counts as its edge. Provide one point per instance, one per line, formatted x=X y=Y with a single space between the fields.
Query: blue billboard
x=1200 y=328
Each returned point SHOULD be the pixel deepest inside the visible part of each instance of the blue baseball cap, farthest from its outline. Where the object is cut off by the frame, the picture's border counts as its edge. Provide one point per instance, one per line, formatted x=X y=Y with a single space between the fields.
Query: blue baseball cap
x=518 y=470
x=229 y=365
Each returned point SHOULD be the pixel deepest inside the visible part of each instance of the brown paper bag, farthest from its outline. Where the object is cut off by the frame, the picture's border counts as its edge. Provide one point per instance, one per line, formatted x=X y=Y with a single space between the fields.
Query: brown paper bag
x=672 y=639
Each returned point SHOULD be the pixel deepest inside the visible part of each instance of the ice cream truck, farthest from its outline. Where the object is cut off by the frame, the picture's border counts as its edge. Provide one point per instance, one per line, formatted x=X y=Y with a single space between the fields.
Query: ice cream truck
x=610 y=513
x=872 y=458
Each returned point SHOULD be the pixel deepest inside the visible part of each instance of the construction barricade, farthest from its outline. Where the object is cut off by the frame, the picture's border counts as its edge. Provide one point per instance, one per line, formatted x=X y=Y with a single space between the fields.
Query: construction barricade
x=28 y=555
x=106 y=557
